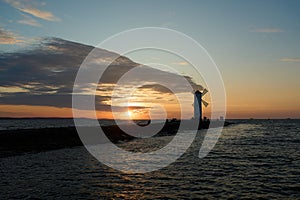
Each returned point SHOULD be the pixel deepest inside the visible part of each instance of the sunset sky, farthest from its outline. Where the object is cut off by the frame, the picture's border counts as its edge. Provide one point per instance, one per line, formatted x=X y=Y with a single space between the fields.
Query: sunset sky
x=255 y=44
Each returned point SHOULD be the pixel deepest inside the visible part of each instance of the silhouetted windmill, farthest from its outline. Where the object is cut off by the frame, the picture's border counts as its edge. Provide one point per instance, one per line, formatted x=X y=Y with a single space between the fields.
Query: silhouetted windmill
x=198 y=104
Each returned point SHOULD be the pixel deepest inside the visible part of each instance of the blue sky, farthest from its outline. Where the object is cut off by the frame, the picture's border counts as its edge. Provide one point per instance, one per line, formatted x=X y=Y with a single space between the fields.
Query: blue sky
x=256 y=44
x=257 y=29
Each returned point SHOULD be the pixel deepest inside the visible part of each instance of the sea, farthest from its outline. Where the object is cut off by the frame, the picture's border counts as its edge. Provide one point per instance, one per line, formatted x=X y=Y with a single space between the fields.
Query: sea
x=253 y=159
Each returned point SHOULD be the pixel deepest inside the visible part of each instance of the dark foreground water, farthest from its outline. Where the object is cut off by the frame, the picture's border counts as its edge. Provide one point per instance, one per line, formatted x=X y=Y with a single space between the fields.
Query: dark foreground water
x=253 y=159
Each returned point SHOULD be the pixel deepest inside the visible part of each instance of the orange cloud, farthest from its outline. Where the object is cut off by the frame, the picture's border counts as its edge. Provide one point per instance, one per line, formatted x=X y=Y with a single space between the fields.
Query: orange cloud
x=268 y=30
x=29 y=8
x=46 y=111
x=7 y=37
x=29 y=21
x=183 y=63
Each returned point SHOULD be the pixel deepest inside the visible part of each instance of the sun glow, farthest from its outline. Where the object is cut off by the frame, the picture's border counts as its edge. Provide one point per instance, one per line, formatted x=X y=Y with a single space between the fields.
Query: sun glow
x=129 y=113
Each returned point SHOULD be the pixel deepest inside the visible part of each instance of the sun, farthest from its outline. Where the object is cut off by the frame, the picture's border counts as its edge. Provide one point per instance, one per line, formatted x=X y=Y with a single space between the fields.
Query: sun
x=129 y=113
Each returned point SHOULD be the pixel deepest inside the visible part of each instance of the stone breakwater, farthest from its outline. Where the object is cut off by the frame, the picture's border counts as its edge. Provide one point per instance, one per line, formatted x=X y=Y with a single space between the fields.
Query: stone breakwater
x=17 y=142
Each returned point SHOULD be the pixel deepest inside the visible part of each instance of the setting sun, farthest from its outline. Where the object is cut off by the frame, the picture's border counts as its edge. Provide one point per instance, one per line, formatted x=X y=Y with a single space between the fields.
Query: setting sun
x=129 y=113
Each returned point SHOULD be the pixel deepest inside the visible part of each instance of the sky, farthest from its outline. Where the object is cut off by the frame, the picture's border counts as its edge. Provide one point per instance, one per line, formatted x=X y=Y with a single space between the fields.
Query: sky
x=255 y=44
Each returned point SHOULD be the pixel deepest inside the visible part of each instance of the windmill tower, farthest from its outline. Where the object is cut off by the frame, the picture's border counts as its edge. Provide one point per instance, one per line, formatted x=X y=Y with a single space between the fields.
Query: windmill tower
x=198 y=104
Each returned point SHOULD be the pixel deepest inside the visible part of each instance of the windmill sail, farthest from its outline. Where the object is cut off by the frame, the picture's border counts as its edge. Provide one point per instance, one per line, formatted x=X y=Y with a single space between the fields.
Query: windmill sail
x=204 y=91
x=205 y=103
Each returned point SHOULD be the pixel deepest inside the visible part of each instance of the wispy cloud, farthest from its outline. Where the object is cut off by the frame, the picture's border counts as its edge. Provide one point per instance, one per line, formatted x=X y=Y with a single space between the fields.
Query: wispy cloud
x=30 y=7
x=8 y=37
x=29 y=21
x=183 y=63
x=290 y=59
x=268 y=30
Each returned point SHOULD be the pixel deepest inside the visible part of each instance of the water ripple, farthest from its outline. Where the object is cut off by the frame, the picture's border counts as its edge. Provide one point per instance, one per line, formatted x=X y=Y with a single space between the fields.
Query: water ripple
x=254 y=160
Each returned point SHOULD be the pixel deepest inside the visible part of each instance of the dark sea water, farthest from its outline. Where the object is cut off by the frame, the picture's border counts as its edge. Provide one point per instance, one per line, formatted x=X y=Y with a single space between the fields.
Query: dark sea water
x=254 y=159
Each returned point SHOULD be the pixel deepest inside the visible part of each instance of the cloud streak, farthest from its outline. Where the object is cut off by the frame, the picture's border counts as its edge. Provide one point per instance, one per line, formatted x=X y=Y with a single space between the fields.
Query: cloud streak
x=290 y=59
x=8 y=37
x=268 y=30
x=27 y=20
x=183 y=63
x=30 y=7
